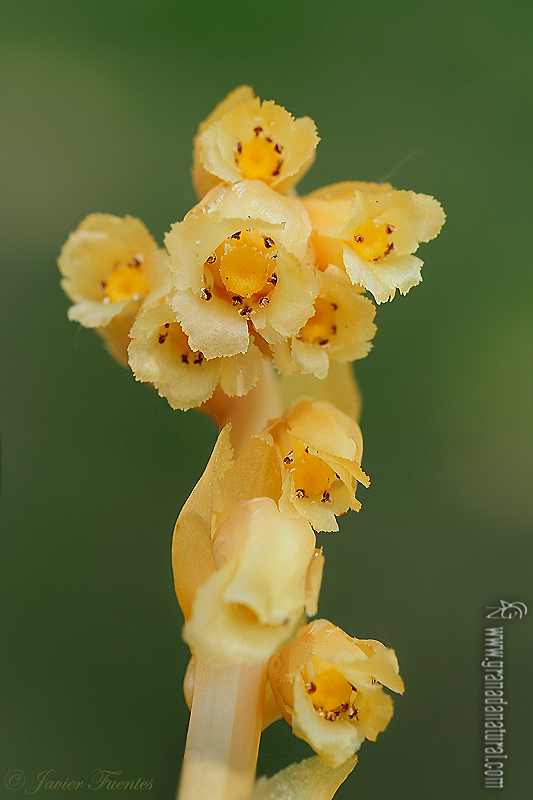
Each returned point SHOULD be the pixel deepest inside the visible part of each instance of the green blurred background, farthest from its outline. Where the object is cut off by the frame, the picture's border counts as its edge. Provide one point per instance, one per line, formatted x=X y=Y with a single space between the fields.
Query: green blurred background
x=100 y=101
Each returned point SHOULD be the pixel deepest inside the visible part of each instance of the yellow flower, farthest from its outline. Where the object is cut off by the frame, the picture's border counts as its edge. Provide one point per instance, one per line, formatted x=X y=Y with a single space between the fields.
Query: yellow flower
x=371 y=230
x=239 y=262
x=329 y=687
x=111 y=268
x=244 y=573
x=340 y=329
x=159 y=353
x=265 y=579
x=319 y=450
x=244 y=138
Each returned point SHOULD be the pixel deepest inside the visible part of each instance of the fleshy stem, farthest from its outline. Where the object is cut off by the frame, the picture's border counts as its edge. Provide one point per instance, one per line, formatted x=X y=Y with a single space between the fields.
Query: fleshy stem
x=249 y=414
x=224 y=730
x=227 y=707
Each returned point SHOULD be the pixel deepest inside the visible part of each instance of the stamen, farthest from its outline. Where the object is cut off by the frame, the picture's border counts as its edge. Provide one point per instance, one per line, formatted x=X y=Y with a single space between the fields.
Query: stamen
x=177 y=344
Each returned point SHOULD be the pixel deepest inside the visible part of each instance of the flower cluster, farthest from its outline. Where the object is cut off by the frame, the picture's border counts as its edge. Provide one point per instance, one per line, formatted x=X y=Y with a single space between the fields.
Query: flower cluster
x=255 y=275
x=252 y=273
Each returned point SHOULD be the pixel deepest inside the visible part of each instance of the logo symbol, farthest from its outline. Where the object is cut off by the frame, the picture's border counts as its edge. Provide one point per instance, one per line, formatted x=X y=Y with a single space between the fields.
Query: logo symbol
x=15 y=779
x=507 y=610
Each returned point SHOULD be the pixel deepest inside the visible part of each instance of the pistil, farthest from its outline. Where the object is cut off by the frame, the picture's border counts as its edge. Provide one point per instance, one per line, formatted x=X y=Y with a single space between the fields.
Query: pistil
x=370 y=240
x=125 y=281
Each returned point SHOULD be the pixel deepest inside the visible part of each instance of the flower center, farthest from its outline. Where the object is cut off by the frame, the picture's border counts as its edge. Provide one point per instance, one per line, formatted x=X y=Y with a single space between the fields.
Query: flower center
x=321 y=326
x=171 y=335
x=330 y=691
x=258 y=158
x=370 y=241
x=126 y=281
x=312 y=476
x=242 y=271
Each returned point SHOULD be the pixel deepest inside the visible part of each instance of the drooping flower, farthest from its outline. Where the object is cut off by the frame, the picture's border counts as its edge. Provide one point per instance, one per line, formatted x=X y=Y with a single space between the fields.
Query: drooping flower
x=267 y=576
x=372 y=230
x=340 y=329
x=244 y=138
x=239 y=262
x=329 y=688
x=159 y=353
x=319 y=450
x=112 y=267
x=244 y=572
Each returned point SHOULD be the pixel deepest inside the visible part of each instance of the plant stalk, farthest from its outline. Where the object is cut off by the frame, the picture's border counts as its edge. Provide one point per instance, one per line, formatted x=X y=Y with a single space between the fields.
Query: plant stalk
x=224 y=730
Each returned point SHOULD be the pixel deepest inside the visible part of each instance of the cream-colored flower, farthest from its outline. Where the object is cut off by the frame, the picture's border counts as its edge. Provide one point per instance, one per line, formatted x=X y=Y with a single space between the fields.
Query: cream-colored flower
x=244 y=573
x=159 y=353
x=239 y=262
x=319 y=450
x=265 y=579
x=112 y=267
x=340 y=329
x=371 y=230
x=244 y=138
x=329 y=687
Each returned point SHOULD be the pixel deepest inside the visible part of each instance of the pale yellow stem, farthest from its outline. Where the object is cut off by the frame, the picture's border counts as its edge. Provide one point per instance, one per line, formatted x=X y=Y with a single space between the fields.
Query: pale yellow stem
x=248 y=414
x=224 y=730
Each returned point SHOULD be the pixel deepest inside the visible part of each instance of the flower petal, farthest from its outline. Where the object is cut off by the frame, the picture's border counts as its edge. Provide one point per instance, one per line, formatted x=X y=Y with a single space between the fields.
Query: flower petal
x=212 y=327
x=192 y=556
x=160 y=354
x=241 y=372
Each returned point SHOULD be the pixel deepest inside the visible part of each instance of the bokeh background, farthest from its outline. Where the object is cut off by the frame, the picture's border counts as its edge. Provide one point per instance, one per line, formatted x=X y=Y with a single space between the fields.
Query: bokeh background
x=99 y=104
